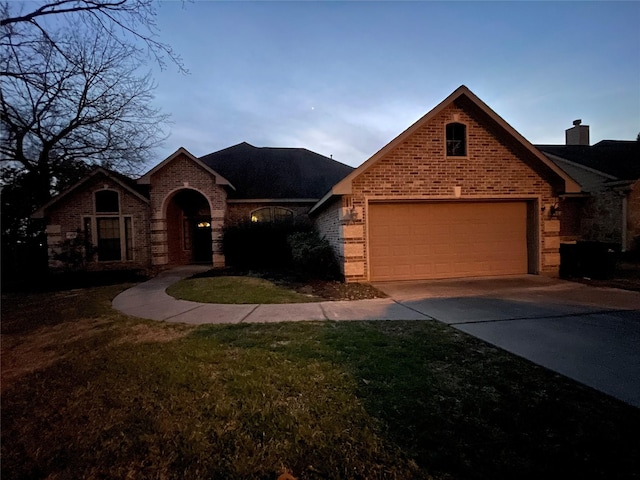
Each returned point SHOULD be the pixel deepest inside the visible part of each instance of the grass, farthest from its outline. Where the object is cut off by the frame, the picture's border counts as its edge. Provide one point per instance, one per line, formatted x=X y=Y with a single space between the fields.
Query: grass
x=88 y=393
x=235 y=290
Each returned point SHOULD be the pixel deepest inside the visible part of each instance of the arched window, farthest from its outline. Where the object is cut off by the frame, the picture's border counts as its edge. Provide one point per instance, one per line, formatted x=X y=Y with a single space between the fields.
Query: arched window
x=456 y=140
x=107 y=201
x=271 y=214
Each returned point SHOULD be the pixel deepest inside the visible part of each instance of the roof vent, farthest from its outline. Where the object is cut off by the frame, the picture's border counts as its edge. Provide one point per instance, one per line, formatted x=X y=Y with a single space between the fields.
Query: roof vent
x=578 y=134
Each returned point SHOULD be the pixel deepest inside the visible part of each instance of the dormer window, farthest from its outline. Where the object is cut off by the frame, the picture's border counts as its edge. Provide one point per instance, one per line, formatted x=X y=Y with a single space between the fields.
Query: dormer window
x=456 y=140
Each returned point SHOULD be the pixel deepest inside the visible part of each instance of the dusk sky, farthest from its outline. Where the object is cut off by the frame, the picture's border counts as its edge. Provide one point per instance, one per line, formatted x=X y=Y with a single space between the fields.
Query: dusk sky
x=345 y=78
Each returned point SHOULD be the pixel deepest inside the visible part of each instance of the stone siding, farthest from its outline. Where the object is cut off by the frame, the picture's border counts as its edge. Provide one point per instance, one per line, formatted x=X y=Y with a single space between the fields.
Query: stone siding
x=601 y=217
x=633 y=217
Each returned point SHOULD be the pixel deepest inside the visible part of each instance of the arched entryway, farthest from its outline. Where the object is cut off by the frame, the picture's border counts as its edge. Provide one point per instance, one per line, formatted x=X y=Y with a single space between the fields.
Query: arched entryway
x=189 y=228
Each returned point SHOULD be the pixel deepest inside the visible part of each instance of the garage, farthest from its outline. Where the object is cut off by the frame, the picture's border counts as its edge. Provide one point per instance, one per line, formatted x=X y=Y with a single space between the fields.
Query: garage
x=415 y=241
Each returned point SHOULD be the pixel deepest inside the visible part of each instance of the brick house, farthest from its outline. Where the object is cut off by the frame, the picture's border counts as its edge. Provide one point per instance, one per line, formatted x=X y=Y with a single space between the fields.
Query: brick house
x=174 y=214
x=608 y=208
x=458 y=194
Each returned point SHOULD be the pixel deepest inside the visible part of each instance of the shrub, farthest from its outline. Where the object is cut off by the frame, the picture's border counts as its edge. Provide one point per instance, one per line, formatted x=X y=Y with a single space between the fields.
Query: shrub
x=259 y=245
x=312 y=255
x=279 y=246
x=75 y=253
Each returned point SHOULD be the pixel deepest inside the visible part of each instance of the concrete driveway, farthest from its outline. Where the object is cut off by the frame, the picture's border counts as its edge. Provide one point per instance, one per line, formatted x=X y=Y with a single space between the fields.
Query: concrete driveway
x=589 y=334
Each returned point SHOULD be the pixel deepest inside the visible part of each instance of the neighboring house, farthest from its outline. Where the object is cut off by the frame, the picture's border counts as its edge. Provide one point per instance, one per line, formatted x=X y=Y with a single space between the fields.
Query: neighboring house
x=458 y=194
x=608 y=210
x=174 y=214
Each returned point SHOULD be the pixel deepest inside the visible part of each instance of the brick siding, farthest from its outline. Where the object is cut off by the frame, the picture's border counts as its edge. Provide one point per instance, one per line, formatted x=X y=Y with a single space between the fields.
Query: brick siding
x=241 y=212
x=328 y=224
x=179 y=174
x=66 y=218
x=496 y=167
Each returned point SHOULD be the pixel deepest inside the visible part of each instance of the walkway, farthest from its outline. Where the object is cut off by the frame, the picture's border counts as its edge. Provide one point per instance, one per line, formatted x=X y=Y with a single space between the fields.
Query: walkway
x=149 y=300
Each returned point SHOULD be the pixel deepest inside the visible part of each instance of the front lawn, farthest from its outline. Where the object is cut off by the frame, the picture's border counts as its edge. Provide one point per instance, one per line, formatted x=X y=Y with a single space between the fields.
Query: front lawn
x=227 y=289
x=89 y=393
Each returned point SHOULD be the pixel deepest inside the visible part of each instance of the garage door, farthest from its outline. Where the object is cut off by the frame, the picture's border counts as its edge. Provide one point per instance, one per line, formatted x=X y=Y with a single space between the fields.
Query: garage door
x=412 y=241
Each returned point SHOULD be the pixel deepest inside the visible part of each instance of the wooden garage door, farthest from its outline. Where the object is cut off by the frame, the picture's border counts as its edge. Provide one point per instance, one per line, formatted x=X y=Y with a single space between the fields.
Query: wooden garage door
x=412 y=241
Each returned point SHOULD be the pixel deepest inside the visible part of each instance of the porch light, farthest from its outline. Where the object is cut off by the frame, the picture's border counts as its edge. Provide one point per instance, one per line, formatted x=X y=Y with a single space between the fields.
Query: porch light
x=254 y=219
x=204 y=225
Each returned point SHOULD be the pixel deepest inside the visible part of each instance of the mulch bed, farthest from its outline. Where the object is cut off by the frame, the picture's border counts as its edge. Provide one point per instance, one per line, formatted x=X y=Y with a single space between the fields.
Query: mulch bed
x=326 y=289
x=625 y=276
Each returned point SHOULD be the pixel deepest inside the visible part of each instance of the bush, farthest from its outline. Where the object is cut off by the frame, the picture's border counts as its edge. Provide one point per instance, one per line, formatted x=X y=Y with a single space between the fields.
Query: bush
x=259 y=245
x=312 y=255
x=75 y=253
x=588 y=259
x=279 y=246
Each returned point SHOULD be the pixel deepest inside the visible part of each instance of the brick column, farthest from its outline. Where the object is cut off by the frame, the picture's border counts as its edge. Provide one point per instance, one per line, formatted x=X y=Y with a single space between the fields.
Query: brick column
x=217 y=223
x=159 y=242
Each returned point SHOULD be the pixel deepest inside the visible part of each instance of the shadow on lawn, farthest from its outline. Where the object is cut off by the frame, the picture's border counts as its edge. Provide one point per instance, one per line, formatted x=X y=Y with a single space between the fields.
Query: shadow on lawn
x=461 y=408
x=357 y=400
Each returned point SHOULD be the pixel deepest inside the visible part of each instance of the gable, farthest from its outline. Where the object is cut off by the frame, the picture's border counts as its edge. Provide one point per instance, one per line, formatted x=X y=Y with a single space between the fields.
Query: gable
x=493 y=164
x=81 y=192
x=185 y=159
x=473 y=108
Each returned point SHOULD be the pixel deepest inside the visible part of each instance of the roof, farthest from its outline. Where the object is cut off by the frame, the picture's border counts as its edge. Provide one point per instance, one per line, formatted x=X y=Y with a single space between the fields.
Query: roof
x=616 y=158
x=461 y=94
x=220 y=180
x=276 y=173
x=140 y=191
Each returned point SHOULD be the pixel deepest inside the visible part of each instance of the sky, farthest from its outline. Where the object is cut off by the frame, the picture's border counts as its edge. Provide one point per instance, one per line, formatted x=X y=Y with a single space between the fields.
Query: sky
x=345 y=78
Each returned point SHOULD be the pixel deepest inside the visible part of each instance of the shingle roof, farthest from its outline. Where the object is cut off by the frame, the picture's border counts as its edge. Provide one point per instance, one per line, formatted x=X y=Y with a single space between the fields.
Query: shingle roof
x=619 y=158
x=275 y=173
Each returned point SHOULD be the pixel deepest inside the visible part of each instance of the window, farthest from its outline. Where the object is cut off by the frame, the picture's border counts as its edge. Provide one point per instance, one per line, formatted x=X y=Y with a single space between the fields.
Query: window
x=186 y=234
x=456 y=140
x=128 y=238
x=109 y=231
x=108 y=238
x=107 y=201
x=271 y=214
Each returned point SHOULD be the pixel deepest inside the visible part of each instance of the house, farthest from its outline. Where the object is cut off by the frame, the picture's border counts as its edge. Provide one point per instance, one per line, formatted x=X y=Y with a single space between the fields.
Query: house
x=174 y=214
x=608 y=209
x=458 y=194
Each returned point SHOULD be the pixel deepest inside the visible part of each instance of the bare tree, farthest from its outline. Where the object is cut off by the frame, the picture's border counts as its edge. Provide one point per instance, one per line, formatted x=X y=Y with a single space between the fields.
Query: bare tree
x=128 y=22
x=73 y=93
x=82 y=100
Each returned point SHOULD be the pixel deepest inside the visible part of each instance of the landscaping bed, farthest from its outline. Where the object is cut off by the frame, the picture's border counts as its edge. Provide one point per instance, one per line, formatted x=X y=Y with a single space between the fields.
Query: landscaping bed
x=626 y=275
x=321 y=290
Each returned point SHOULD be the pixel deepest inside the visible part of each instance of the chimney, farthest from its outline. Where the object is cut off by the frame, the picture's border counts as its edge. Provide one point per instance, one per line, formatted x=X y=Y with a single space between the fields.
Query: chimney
x=578 y=134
